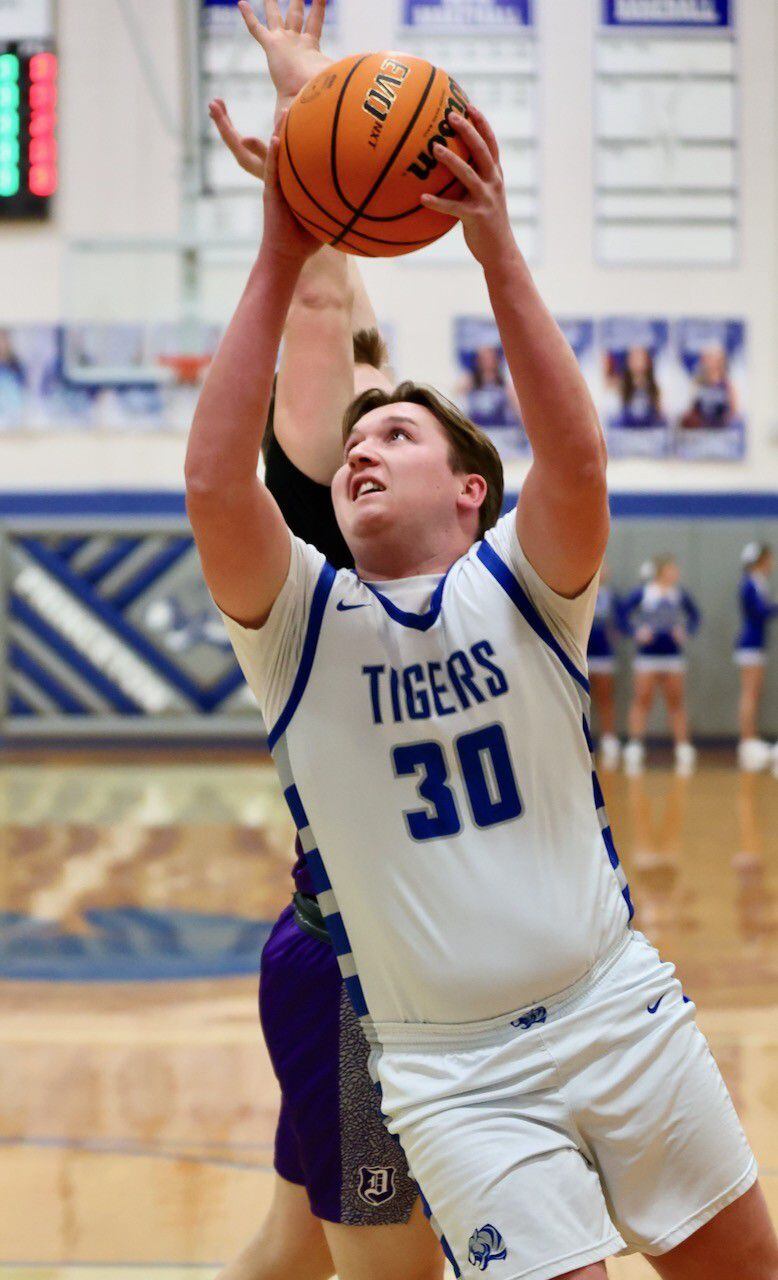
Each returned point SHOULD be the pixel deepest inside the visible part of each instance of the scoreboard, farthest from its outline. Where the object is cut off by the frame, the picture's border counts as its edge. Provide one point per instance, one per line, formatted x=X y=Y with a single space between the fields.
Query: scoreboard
x=28 y=110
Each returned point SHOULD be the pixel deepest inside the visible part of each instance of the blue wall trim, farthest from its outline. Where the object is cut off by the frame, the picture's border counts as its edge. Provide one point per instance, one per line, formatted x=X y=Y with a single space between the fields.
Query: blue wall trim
x=624 y=506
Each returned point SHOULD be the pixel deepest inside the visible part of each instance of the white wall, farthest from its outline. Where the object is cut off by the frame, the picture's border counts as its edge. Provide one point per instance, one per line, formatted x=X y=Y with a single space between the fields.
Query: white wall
x=121 y=176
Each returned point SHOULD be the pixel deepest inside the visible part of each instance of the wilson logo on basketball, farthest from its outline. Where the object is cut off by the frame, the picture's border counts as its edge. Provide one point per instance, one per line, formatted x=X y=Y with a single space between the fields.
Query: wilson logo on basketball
x=425 y=162
x=382 y=94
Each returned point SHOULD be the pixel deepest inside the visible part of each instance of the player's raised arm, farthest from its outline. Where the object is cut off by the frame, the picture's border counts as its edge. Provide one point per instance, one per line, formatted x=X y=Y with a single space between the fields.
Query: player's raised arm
x=563 y=517
x=240 y=534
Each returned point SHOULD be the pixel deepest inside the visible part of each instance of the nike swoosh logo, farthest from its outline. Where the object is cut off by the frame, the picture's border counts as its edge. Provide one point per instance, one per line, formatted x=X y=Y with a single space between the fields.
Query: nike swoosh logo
x=346 y=608
x=652 y=1008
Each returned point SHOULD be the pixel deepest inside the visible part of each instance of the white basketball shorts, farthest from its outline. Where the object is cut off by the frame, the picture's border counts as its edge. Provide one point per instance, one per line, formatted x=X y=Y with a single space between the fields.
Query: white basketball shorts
x=592 y=1124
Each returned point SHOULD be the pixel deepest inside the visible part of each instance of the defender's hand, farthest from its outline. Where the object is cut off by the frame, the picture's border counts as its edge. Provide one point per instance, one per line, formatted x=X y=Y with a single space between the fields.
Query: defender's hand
x=292 y=46
x=484 y=210
x=250 y=153
x=283 y=236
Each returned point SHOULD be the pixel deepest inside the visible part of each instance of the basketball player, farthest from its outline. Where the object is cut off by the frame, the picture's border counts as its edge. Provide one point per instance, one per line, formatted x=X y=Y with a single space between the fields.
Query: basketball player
x=429 y=720
x=661 y=616
x=343 y=1198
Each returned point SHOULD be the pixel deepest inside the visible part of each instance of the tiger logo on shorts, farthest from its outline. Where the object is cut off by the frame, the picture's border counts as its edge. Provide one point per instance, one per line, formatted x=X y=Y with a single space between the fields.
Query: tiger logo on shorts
x=486 y=1245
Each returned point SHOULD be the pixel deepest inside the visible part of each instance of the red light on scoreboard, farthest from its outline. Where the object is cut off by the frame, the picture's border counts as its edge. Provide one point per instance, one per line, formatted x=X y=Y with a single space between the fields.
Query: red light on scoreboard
x=43 y=66
x=43 y=180
x=28 y=129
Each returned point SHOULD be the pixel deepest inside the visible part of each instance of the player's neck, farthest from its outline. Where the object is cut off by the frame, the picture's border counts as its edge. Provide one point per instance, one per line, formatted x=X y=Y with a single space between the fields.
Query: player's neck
x=390 y=564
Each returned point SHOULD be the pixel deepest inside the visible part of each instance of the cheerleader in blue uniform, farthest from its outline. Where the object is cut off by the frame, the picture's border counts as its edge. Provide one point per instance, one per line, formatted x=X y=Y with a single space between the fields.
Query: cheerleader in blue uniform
x=660 y=616
x=602 y=670
x=757 y=609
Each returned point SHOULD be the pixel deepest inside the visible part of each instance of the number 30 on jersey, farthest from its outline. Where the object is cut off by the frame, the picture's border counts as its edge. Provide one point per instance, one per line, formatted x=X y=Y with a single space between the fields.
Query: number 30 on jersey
x=483 y=761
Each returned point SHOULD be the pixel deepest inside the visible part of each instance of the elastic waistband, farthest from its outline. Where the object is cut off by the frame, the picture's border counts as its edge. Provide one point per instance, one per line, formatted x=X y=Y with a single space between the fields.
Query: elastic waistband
x=470 y=1033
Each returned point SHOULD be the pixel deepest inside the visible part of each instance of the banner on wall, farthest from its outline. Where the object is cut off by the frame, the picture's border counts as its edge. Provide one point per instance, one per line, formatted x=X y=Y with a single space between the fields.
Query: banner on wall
x=30 y=383
x=102 y=377
x=637 y=367
x=484 y=388
x=714 y=15
x=116 y=623
x=213 y=8
x=711 y=356
x=458 y=15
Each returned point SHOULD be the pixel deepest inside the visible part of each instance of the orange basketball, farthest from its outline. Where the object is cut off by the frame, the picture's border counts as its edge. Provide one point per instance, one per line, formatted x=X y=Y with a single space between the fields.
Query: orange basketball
x=356 y=153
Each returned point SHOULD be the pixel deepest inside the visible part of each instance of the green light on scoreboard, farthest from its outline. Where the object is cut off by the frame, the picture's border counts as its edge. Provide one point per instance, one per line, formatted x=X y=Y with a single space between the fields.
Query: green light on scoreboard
x=9 y=180
x=9 y=98
x=10 y=151
x=9 y=68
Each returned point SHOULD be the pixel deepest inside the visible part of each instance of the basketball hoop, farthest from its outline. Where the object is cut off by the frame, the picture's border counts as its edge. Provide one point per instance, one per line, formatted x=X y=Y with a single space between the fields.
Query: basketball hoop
x=187 y=370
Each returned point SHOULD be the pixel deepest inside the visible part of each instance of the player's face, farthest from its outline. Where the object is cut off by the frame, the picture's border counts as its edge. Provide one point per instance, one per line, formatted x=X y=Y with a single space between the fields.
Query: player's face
x=669 y=575
x=396 y=475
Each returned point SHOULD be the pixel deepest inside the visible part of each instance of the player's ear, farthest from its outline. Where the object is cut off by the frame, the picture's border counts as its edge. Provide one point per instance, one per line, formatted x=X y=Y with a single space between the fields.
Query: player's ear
x=473 y=491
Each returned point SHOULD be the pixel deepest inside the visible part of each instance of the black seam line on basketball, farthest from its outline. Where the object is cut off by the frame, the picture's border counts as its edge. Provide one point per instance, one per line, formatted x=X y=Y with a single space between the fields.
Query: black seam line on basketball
x=409 y=244
x=390 y=162
x=419 y=208
x=334 y=136
x=368 y=217
x=303 y=187
x=310 y=223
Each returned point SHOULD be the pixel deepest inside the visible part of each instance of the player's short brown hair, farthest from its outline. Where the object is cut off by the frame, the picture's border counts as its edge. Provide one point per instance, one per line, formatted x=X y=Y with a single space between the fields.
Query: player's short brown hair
x=370 y=348
x=470 y=451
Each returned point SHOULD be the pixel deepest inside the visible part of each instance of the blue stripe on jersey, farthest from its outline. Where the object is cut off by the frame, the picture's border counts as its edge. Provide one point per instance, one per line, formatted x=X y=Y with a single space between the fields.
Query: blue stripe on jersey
x=355 y=993
x=607 y=834
x=318 y=604
x=599 y=799
x=499 y=570
x=299 y=816
x=338 y=935
x=319 y=878
x=418 y=621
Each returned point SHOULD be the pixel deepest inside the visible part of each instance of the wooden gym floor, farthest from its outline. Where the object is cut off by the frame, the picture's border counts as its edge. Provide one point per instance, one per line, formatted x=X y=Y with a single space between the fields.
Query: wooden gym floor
x=137 y=1116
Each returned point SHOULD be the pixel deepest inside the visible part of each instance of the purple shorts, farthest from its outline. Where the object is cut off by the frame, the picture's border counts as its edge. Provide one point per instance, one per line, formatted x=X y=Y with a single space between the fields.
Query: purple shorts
x=331 y=1137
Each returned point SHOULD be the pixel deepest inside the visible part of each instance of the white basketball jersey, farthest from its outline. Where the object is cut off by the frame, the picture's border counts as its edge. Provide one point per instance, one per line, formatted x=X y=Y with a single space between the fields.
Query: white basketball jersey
x=433 y=744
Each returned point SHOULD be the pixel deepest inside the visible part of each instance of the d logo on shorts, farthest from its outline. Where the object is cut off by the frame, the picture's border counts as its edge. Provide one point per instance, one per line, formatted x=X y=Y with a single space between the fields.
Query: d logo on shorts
x=376 y=1186
x=486 y=1245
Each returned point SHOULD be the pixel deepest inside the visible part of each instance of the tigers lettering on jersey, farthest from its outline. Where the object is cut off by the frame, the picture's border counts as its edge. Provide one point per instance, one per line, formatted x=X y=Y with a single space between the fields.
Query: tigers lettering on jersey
x=428 y=689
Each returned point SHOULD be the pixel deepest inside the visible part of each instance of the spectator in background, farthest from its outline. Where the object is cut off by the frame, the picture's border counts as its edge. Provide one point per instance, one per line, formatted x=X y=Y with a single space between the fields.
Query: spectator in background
x=602 y=669
x=660 y=616
x=490 y=400
x=12 y=383
x=757 y=608
x=714 y=405
x=639 y=396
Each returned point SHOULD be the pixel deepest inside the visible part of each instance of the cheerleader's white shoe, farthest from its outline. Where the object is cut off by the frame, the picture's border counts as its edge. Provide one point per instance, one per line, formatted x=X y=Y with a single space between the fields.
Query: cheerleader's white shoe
x=685 y=759
x=753 y=755
x=634 y=758
x=610 y=751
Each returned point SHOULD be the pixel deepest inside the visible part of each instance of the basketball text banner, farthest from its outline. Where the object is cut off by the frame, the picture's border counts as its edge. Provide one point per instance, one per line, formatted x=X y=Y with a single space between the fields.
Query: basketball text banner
x=457 y=15
x=714 y=15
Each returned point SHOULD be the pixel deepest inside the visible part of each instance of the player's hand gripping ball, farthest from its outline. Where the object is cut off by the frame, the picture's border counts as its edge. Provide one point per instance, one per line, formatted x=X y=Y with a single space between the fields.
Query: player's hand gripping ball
x=357 y=153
